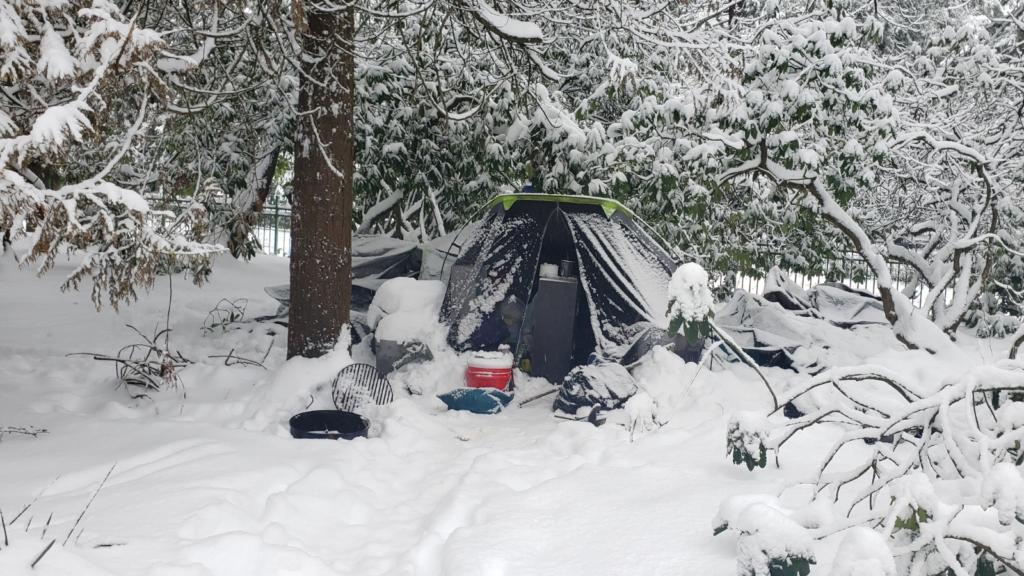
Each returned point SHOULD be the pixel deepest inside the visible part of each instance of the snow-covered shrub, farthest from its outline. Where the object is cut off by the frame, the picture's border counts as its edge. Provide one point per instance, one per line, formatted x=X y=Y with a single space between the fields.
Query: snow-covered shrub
x=690 y=309
x=690 y=303
x=937 y=476
x=771 y=544
x=745 y=441
x=988 y=320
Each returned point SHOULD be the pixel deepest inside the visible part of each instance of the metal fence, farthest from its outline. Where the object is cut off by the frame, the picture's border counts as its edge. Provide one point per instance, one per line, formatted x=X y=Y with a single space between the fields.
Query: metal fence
x=851 y=270
x=274 y=228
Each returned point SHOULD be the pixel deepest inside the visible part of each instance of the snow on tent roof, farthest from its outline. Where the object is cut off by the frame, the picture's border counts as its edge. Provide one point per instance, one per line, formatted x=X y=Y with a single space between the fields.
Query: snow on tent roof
x=623 y=273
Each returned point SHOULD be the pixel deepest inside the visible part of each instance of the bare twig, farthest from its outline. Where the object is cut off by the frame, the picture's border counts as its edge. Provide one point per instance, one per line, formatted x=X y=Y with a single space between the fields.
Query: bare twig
x=29 y=505
x=29 y=431
x=224 y=314
x=43 y=553
x=1005 y=561
x=88 y=504
x=269 y=348
x=45 y=528
x=170 y=299
x=4 y=524
x=700 y=363
x=239 y=360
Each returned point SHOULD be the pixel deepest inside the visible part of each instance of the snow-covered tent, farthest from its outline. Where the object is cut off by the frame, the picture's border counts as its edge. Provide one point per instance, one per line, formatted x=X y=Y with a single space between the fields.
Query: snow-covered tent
x=622 y=275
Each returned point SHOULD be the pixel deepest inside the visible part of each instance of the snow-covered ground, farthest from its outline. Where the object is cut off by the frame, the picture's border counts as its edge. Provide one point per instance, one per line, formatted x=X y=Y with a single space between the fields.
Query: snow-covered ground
x=205 y=479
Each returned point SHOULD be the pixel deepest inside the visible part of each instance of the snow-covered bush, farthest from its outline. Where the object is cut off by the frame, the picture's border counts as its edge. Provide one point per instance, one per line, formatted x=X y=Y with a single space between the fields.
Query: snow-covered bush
x=770 y=543
x=690 y=309
x=690 y=303
x=746 y=437
x=988 y=320
x=937 y=476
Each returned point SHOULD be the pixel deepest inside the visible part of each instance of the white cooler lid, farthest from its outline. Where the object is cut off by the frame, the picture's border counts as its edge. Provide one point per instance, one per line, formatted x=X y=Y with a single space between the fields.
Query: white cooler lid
x=491 y=360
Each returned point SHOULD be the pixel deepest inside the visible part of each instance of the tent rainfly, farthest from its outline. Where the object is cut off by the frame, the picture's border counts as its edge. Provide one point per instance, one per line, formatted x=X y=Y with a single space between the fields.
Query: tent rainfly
x=611 y=288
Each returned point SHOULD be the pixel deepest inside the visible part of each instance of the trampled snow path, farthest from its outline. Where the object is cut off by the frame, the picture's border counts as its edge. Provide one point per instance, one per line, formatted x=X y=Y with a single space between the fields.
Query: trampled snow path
x=211 y=484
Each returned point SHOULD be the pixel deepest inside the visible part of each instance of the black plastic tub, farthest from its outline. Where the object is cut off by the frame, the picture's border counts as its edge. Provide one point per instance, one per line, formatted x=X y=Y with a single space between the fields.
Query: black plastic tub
x=329 y=425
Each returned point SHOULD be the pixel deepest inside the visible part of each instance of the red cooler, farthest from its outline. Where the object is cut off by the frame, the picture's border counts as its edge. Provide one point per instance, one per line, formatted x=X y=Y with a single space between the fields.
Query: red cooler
x=489 y=370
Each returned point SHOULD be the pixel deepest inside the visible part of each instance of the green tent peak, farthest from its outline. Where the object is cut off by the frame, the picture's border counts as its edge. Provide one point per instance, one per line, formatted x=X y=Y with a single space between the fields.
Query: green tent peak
x=607 y=204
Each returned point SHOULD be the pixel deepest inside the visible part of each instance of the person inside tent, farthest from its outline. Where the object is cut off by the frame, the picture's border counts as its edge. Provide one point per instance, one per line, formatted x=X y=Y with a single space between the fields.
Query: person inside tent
x=502 y=326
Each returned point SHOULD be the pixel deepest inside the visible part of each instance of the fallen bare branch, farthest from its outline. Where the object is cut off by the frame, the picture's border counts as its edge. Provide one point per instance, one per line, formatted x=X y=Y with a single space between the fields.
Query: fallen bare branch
x=29 y=431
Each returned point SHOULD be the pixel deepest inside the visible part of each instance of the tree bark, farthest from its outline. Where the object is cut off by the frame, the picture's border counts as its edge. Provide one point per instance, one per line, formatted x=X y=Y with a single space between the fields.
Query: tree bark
x=321 y=261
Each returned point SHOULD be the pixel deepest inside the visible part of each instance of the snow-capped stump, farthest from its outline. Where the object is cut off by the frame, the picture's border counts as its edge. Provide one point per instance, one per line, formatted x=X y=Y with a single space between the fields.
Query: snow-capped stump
x=771 y=544
x=607 y=385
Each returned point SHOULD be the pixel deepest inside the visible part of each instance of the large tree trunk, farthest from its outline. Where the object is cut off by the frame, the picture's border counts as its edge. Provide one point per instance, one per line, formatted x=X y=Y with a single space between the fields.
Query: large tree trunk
x=321 y=261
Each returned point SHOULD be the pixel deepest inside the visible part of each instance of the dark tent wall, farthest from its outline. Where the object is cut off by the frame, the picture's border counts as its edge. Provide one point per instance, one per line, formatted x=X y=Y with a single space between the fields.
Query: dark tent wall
x=623 y=275
x=497 y=265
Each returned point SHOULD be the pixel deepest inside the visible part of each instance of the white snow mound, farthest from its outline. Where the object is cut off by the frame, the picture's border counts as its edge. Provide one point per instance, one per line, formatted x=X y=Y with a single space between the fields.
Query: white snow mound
x=404 y=309
x=863 y=552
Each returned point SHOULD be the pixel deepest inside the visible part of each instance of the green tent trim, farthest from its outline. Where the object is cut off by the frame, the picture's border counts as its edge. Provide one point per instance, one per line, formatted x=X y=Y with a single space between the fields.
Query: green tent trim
x=607 y=204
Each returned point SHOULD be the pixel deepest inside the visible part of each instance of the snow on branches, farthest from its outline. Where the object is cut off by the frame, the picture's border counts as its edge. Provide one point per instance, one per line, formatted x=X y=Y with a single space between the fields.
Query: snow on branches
x=79 y=83
x=796 y=120
x=936 y=475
